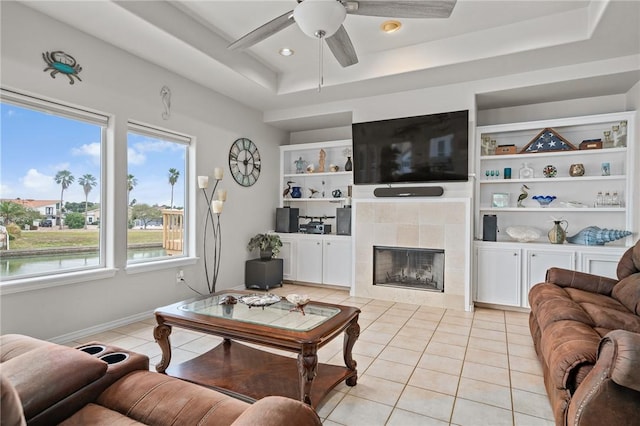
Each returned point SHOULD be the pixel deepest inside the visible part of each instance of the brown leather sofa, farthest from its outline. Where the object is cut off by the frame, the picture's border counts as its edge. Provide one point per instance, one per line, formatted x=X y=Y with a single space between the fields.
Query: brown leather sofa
x=586 y=332
x=95 y=384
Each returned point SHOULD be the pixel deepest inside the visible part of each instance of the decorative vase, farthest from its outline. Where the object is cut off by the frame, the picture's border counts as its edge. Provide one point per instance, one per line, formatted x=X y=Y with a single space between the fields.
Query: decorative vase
x=576 y=170
x=558 y=233
x=296 y=192
x=348 y=166
x=526 y=171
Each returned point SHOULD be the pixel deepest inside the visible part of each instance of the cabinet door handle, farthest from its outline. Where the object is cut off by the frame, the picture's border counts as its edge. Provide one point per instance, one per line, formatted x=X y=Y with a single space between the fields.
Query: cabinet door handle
x=328 y=243
x=515 y=254
x=318 y=243
x=533 y=255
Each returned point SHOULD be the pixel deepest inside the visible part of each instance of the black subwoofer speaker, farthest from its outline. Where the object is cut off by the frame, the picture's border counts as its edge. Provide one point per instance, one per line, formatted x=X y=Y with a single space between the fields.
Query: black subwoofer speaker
x=287 y=219
x=343 y=221
x=489 y=227
x=409 y=191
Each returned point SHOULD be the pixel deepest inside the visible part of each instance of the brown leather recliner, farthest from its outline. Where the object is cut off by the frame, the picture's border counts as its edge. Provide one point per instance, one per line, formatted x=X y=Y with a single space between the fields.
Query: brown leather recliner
x=43 y=383
x=586 y=332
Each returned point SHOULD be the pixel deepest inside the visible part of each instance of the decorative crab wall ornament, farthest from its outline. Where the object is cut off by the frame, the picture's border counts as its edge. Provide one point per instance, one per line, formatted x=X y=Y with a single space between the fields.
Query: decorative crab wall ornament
x=58 y=61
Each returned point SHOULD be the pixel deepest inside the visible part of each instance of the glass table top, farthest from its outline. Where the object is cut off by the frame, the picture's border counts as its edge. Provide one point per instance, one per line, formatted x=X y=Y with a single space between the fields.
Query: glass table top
x=281 y=314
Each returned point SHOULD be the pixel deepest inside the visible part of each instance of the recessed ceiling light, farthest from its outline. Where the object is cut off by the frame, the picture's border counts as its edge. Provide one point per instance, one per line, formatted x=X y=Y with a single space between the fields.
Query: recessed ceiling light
x=285 y=51
x=390 y=26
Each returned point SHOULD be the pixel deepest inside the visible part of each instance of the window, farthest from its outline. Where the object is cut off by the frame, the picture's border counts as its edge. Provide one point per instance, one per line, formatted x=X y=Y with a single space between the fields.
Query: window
x=51 y=159
x=157 y=194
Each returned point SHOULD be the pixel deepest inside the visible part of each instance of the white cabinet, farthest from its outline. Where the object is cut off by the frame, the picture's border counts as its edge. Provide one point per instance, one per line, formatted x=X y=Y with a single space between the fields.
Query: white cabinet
x=336 y=255
x=309 y=260
x=506 y=269
x=317 y=259
x=505 y=272
x=538 y=261
x=498 y=276
x=287 y=254
x=576 y=195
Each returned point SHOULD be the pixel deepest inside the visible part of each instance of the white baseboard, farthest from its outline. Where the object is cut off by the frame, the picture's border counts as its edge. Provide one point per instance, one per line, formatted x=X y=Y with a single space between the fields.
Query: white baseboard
x=70 y=337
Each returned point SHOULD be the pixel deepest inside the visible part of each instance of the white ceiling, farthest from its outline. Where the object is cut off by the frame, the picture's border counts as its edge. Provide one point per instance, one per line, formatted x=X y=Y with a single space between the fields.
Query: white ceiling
x=481 y=39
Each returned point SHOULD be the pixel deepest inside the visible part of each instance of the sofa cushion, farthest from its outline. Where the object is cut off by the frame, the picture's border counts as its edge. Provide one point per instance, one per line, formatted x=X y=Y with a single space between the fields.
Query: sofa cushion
x=46 y=375
x=552 y=303
x=10 y=406
x=157 y=399
x=612 y=319
x=629 y=264
x=627 y=292
x=93 y=414
x=13 y=345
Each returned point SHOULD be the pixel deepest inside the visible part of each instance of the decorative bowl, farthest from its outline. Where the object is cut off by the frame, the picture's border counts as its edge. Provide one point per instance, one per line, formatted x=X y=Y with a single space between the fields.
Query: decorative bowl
x=299 y=301
x=544 y=200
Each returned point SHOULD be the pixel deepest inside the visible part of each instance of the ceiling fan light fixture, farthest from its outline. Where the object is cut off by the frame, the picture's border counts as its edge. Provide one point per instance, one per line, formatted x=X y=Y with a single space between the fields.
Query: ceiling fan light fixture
x=319 y=18
x=390 y=26
x=285 y=51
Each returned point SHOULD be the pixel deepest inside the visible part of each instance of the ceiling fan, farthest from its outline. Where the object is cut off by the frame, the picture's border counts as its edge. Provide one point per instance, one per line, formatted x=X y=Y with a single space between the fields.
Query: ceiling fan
x=323 y=19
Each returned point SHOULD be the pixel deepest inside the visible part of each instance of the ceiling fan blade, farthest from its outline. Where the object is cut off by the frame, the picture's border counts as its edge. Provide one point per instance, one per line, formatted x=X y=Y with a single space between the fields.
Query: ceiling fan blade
x=263 y=32
x=342 y=48
x=401 y=8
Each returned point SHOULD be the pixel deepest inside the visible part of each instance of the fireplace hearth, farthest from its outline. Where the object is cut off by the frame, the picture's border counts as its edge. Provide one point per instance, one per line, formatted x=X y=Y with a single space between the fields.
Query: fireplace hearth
x=415 y=268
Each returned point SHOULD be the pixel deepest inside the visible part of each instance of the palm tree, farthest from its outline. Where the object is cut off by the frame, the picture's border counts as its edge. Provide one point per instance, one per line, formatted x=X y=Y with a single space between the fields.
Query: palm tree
x=173 y=178
x=63 y=178
x=87 y=182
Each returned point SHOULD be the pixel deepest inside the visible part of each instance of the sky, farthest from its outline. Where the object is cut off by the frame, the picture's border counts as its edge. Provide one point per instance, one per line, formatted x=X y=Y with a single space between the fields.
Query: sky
x=34 y=146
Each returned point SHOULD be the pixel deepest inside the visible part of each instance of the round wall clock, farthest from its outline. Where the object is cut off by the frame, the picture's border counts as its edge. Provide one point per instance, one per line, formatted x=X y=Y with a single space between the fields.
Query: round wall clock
x=244 y=161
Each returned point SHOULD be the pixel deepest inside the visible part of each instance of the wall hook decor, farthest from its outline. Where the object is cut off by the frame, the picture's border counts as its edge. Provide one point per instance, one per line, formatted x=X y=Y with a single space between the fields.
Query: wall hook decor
x=60 y=62
x=165 y=93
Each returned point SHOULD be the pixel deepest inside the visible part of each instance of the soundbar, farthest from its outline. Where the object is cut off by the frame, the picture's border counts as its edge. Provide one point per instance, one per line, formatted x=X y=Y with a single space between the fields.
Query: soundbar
x=415 y=191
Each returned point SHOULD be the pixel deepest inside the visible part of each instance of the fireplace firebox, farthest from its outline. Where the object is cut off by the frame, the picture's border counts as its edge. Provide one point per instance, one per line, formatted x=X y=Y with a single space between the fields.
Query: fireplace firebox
x=414 y=268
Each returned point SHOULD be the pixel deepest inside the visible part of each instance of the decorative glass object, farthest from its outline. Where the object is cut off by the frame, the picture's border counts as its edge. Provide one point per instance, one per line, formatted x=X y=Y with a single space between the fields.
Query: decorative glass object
x=608 y=140
x=558 y=233
x=544 y=200
x=526 y=171
x=620 y=138
x=595 y=236
x=606 y=169
x=549 y=171
x=348 y=166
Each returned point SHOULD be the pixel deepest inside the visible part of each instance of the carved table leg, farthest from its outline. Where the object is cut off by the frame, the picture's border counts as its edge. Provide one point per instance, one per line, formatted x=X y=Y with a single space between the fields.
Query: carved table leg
x=161 y=333
x=308 y=368
x=350 y=336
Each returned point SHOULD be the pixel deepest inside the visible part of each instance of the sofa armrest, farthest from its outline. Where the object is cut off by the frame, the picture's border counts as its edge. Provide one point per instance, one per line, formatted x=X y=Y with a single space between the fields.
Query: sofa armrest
x=611 y=391
x=46 y=375
x=581 y=280
x=278 y=410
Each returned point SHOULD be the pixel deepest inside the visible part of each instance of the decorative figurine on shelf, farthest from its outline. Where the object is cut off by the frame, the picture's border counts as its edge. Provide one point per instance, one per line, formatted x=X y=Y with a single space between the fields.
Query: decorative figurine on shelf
x=321 y=159
x=576 y=170
x=300 y=163
x=558 y=233
x=620 y=139
x=595 y=236
x=523 y=195
x=313 y=192
x=287 y=190
x=348 y=166
x=296 y=192
x=336 y=193
x=311 y=168
x=333 y=168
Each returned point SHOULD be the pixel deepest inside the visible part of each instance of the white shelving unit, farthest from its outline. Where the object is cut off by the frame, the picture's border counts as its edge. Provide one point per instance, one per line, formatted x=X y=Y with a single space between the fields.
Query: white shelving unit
x=318 y=259
x=525 y=263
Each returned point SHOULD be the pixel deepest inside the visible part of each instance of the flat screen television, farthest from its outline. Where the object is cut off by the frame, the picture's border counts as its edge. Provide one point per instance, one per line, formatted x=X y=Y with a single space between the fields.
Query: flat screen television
x=421 y=149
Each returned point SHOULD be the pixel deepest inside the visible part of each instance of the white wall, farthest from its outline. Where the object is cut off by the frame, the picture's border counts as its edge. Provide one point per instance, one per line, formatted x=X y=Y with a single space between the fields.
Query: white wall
x=120 y=84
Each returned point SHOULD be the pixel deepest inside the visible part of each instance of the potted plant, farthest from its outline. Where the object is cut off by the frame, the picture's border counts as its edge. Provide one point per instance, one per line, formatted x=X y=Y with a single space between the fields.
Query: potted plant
x=268 y=244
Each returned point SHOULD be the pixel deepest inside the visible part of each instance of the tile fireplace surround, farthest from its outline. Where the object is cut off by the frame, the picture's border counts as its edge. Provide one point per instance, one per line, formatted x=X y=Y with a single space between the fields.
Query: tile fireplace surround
x=442 y=223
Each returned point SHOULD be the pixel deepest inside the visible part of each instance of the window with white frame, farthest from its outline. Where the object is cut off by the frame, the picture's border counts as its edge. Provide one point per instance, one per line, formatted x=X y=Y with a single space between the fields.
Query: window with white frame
x=52 y=161
x=157 y=194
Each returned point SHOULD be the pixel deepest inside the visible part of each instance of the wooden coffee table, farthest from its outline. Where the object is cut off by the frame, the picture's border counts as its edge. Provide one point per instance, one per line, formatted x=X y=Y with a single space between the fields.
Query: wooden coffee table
x=251 y=373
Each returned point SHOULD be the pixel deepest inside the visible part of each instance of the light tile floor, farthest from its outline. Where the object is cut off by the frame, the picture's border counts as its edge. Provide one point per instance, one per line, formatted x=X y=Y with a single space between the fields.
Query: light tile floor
x=417 y=365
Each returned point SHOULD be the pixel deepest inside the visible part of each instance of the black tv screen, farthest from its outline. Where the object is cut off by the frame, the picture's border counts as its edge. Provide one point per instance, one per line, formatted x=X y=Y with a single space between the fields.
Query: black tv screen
x=426 y=148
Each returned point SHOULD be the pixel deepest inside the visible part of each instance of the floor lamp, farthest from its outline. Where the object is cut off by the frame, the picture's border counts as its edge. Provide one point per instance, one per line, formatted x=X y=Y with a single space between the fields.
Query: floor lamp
x=212 y=219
